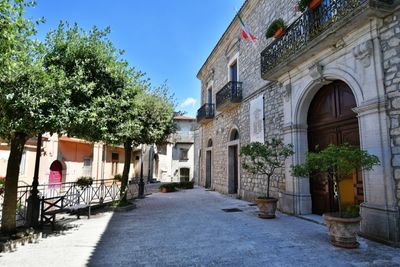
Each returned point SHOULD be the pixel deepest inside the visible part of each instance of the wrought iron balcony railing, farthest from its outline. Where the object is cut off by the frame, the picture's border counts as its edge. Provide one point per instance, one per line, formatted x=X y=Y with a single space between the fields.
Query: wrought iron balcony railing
x=205 y=113
x=315 y=29
x=229 y=95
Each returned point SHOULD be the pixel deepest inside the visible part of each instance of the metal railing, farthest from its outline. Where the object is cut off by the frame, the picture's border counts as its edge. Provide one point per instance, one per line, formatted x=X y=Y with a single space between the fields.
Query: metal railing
x=205 y=112
x=101 y=191
x=230 y=93
x=308 y=26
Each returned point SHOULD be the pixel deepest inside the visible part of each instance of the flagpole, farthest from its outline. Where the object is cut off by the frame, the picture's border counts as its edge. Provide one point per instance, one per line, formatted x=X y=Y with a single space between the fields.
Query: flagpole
x=237 y=14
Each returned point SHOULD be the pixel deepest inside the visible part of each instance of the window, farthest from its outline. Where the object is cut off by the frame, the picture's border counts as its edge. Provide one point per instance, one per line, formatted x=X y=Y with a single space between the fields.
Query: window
x=183 y=154
x=114 y=163
x=184 y=174
x=87 y=166
x=233 y=72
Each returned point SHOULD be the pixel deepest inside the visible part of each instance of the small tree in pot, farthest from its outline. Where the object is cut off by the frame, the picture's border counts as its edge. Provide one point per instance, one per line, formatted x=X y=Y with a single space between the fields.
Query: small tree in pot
x=337 y=162
x=265 y=159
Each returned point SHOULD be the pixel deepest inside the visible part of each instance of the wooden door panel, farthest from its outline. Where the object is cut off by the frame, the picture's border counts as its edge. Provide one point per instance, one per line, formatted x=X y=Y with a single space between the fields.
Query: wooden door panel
x=331 y=120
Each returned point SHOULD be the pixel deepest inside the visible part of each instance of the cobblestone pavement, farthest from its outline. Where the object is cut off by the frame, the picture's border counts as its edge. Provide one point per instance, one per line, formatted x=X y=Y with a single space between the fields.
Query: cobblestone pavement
x=189 y=228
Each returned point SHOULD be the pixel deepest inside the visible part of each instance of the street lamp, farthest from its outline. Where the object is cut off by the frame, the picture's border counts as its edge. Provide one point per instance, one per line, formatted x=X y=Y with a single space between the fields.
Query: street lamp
x=141 y=181
x=33 y=200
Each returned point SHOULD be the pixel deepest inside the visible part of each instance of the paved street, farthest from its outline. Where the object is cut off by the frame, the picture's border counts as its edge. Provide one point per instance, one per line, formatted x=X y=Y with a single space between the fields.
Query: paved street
x=189 y=228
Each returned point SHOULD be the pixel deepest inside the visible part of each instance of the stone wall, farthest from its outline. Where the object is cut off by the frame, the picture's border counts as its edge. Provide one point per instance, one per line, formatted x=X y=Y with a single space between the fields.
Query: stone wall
x=390 y=42
x=215 y=74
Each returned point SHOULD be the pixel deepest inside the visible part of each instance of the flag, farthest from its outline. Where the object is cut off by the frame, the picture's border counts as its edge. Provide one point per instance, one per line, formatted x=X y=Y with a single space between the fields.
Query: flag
x=246 y=34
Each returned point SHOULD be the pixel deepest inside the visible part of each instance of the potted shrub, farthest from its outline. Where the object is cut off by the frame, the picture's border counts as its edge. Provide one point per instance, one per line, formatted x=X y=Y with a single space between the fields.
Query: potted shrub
x=84 y=182
x=311 y=4
x=118 y=177
x=166 y=188
x=337 y=162
x=276 y=29
x=265 y=159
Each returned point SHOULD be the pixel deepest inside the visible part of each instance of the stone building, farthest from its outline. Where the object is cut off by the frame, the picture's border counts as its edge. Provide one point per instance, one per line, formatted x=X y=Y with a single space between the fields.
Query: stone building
x=173 y=161
x=333 y=77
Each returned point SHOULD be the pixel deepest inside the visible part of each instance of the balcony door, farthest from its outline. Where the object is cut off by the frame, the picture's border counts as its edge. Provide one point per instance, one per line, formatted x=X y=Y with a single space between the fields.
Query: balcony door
x=233 y=72
x=332 y=121
x=209 y=96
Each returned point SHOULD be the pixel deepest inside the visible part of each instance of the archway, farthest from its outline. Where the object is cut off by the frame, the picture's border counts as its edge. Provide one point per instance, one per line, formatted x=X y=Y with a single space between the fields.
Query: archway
x=55 y=176
x=233 y=162
x=331 y=120
x=209 y=164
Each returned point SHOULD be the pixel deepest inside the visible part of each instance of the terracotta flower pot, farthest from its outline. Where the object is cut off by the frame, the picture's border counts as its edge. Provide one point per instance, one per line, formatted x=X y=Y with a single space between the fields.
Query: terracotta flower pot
x=342 y=231
x=164 y=190
x=279 y=33
x=314 y=4
x=267 y=207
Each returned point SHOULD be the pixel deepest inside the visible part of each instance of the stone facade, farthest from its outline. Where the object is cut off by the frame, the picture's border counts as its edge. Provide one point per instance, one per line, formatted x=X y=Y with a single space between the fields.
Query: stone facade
x=390 y=43
x=363 y=52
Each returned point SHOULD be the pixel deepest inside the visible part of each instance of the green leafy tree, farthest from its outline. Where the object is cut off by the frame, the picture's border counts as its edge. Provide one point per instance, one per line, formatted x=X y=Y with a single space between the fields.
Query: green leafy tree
x=30 y=101
x=337 y=162
x=258 y=158
x=94 y=71
x=139 y=116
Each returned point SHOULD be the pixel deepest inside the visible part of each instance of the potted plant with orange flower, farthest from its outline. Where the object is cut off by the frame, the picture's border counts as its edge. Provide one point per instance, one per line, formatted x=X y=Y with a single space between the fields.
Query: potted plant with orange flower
x=276 y=29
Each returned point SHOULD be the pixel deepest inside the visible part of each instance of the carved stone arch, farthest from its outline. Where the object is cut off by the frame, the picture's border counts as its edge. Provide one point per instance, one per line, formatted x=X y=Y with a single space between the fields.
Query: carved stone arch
x=313 y=86
x=233 y=134
x=210 y=143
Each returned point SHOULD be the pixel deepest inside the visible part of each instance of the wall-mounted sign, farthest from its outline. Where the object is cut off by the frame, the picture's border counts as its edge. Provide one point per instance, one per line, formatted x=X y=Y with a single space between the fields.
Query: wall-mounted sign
x=257 y=120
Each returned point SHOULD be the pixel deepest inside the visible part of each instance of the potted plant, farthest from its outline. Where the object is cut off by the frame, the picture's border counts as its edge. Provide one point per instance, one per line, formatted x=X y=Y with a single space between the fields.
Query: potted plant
x=311 y=4
x=276 y=29
x=84 y=182
x=118 y=177
x=337 y=162
x=265 y=159
x=166 y=188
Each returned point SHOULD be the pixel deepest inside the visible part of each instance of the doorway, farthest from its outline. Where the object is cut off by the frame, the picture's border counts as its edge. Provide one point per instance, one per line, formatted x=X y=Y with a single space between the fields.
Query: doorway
x=331 y=120
x=233 y=162
x=209 y=164
x=55 y=176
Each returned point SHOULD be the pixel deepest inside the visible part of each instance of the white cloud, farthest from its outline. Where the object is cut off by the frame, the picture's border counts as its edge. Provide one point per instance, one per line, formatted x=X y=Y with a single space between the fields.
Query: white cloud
x=190 y=101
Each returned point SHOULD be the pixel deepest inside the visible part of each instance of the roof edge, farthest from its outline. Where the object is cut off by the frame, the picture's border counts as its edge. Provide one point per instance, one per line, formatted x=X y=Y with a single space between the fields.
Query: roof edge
x=221 y=38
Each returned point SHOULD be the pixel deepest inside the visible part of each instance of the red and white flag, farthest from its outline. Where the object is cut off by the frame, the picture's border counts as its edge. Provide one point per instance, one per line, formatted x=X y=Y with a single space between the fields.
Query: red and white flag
x=246 y=34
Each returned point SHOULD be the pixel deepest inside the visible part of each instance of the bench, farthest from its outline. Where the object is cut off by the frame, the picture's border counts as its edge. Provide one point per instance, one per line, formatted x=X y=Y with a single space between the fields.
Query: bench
x=56 y=205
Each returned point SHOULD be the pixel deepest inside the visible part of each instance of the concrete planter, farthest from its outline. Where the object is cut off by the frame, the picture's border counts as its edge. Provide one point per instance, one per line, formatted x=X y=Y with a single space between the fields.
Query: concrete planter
x=342 y=231
x=267 y=207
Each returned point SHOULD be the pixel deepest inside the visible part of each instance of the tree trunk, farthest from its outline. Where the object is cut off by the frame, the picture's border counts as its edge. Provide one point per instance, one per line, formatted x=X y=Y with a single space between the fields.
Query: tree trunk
x=268 y=182
x=127 y=165
x=8 y=221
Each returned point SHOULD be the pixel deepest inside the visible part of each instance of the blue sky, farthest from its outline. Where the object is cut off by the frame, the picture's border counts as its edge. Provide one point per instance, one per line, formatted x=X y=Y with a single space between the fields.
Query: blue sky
x=167 y=39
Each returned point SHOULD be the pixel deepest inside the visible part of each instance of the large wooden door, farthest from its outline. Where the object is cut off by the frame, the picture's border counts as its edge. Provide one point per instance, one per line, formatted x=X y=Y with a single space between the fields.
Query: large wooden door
x=208 y=169
x=332 y=121
x=233 y=181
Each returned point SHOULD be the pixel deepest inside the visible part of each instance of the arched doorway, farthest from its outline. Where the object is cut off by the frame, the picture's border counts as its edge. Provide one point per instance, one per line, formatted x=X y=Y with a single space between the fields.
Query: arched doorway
x=331 y=120
x=233 y=164
x=55 y=176
x=209 y=164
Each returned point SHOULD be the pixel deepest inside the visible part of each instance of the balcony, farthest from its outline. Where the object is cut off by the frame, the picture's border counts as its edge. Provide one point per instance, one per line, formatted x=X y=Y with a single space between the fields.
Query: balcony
x=316 y=30
x=205 y=113
x=229 y=96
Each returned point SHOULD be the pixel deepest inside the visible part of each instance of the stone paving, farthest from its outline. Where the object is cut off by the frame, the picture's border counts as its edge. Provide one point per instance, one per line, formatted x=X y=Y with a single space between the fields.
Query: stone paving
x=189 y=228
